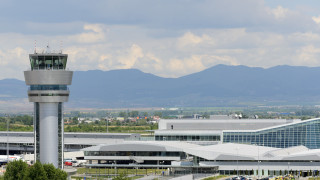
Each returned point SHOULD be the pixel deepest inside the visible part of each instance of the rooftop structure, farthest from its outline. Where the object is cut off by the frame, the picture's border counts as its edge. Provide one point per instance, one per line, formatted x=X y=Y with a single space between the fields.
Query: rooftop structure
x=211 y=131
x=23 y=142
x=221 y=124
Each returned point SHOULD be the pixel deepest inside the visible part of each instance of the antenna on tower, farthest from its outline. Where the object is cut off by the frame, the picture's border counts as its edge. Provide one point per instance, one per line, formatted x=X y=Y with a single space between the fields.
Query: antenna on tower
x=35 y=46
x=48 y=49
x=61 y=46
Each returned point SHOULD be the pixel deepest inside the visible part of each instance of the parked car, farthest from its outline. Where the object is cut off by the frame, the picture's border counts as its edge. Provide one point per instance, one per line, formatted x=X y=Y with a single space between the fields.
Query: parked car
x=68 y=163
x=78 y=163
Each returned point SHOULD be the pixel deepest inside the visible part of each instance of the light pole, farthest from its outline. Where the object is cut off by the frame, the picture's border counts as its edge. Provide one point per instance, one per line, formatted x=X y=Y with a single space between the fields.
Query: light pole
x=258 y=162
x=161 y=164
x=7 y=117
x=237 y=161
x=312 y=166
x=107 y=124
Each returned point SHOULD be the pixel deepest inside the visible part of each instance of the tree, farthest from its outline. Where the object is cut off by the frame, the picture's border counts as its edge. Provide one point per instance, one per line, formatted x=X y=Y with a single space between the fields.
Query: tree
x=19 y=170
x=158 y=113
x=50 y=171
x=75 y=120
x=123 y=114
x=145 y=114
x=134 y=113
x=60 y=174
x=16 y=170
x=36 y=172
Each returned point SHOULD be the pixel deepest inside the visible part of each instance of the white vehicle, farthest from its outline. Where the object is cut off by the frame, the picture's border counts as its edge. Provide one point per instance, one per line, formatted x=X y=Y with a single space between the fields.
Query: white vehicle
x=77 y=163
x=4 y=158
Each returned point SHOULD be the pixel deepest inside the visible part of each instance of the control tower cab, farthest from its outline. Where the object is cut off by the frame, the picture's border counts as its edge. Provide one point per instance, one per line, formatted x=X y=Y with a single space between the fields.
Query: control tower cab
x=48 y=80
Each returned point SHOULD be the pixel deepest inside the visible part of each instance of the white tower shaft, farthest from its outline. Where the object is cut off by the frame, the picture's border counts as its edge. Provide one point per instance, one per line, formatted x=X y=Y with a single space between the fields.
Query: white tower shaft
x=48 y=131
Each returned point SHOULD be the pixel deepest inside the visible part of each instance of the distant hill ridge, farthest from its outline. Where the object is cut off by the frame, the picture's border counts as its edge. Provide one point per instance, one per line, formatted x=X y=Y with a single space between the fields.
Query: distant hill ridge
x=220 y=85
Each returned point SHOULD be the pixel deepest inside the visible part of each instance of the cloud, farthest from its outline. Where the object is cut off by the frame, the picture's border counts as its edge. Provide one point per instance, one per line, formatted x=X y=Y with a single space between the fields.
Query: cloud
x=279 y=12
x=12 y=64
x=96 y=34
x=158 y=14
x=133 y=54
x=175 y=56
x=316 y=19
x=307 y=56
x=191 y=39
x=196 y=63
x=166 y=38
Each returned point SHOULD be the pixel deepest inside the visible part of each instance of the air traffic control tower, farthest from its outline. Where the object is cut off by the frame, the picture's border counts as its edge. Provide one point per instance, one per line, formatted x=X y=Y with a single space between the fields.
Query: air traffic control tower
x=48 y=80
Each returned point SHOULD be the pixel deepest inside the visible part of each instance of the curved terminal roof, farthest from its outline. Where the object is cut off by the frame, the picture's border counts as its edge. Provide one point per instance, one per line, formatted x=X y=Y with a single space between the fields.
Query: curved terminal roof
x=273 y=127
x=230 y=151
x=165 y=146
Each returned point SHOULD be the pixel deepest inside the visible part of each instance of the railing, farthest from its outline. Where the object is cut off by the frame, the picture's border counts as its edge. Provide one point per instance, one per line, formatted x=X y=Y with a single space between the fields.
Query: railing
x=48 y=69
x=35 y=89
x=140 y=139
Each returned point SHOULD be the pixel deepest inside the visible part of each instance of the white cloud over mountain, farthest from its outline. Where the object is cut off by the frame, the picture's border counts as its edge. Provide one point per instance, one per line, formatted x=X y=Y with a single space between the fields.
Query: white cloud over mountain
x=166 y=38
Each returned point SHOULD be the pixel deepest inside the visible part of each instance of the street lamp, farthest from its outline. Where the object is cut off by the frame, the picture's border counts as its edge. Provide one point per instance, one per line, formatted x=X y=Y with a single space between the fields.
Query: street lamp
x=259 y=160
x=107 y=124
x=7 y=117
x=162 y=163
x=312 y=166
x=237 y=161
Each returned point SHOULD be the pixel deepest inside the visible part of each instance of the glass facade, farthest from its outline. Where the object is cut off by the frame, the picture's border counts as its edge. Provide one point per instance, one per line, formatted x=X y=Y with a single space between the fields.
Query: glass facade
x=48 y=94
x=36 y=123
x=187 y=137
x=60 y=135
x=306 y=133
x=48 y=61
x=48 y=87
x=134 y=153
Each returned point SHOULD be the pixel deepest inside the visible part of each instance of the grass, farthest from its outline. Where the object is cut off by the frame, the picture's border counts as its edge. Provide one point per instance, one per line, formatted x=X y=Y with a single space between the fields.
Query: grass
x=215 y=177
x=118 y=171
x=103 y=177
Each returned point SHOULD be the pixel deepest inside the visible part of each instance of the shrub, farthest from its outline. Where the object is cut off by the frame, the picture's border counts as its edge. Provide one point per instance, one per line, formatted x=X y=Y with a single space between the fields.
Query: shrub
x=19 y=170
x=36 y=172
x=16 y=170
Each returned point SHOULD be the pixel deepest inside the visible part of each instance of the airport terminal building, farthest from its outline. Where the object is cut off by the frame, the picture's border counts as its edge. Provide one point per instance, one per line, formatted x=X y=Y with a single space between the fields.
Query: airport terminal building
x=23 y=142
x=246 y=146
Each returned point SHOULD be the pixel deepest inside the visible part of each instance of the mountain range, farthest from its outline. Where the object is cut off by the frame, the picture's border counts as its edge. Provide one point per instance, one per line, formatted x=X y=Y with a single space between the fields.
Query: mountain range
x=220 y=85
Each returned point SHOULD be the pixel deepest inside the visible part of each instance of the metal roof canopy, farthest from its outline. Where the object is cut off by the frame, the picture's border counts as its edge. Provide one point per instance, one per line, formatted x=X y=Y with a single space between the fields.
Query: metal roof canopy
x=139 y=165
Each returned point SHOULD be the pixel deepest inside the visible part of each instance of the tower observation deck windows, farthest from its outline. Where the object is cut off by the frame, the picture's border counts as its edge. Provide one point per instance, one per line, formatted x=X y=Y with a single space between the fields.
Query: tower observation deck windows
x=48 y=62
x=48 y=87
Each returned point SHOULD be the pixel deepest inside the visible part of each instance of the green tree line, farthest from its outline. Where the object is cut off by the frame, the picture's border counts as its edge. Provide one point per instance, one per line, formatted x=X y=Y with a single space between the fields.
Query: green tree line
x=19 y=170
x=103 y=128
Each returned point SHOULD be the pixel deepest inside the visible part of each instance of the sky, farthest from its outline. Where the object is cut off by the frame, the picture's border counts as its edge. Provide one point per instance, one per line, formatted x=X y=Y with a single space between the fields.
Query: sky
x=168 y=38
